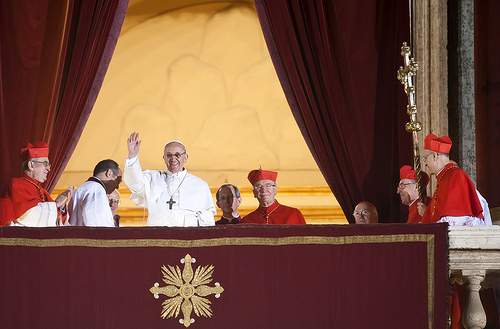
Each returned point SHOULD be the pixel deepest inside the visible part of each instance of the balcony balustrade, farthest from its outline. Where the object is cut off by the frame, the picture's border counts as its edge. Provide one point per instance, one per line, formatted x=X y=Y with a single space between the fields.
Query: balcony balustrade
x=474 y=260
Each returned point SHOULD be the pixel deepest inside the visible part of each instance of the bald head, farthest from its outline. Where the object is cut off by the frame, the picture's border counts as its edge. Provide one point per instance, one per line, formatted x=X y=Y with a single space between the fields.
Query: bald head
x=365 y=213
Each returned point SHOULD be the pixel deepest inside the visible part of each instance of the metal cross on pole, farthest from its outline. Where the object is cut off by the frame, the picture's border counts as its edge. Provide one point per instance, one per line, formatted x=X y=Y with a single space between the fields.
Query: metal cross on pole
x=405 y=75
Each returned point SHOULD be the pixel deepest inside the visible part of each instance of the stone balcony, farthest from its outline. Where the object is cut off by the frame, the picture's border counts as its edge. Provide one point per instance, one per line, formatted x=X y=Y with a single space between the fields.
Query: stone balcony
x=474 y=259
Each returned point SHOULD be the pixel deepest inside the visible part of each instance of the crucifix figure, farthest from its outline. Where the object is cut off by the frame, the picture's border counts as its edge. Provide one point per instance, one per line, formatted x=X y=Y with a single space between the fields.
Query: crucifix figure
x=170 y=203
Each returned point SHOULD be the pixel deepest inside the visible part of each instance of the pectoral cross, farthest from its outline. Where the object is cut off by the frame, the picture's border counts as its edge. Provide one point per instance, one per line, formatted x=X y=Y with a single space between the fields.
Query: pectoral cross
x=170 y=203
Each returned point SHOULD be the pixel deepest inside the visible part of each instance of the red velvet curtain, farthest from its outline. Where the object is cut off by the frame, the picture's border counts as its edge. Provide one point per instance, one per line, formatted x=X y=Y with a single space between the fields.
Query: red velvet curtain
x=53 y=57
x=487 y=90
x=337 y=63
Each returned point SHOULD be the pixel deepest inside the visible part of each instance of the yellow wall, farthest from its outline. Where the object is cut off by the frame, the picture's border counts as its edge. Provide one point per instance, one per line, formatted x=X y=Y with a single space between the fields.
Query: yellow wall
x=200 y=72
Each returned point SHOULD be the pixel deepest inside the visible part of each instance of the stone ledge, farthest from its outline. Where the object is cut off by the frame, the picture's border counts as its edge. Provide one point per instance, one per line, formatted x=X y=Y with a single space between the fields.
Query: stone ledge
x=474 y=259
x=474 y=237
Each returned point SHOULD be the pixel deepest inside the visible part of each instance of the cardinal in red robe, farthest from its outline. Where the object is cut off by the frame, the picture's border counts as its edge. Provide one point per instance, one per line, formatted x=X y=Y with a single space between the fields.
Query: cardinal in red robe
x=25 y=202
x=408 y=191
x=455 y=200
x=270 y=211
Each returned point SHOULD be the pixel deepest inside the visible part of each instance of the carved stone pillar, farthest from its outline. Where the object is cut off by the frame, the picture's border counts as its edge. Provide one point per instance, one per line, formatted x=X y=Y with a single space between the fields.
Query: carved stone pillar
x=430 y=51
x=461 y=111
x=430 y=31
x=474 y=316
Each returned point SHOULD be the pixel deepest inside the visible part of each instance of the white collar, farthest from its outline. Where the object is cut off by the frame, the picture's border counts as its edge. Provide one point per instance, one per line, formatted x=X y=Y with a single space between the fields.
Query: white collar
x=181 y=173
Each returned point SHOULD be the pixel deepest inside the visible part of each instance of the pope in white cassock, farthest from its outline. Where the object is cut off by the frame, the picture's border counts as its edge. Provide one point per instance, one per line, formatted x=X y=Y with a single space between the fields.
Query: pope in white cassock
x=173 y=197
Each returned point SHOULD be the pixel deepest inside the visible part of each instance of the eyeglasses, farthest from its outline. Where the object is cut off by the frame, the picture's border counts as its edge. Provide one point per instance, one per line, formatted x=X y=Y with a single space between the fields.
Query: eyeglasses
x=46 y=164
x=425 y=157
x=401 y=186
x=223 y=198
x=177 y=155
x=362 y=213
x=117 y=176
x=261 y=187
x=113 y=201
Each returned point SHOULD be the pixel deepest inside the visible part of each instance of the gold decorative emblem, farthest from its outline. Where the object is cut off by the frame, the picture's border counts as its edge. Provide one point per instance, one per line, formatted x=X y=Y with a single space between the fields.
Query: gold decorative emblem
x=186 y=291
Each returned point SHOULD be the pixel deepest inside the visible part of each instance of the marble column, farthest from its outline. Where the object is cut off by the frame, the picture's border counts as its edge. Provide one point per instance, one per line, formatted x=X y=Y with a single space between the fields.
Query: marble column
x=465 y=96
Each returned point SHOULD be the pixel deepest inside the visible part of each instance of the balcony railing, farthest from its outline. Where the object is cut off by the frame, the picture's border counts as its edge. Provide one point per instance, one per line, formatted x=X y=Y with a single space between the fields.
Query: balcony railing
x=474 y=260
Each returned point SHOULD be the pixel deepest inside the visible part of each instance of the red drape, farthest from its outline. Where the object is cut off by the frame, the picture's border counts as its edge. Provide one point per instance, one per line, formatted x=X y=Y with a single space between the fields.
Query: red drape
x=273 y=276
x=337 y=63
x=53 y=57
x=487 y=98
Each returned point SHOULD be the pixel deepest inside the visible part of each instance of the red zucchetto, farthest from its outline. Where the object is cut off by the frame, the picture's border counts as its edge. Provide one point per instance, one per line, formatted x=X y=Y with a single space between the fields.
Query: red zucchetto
x=257 y=175
x=437 y=144
x=368 y=203
x=39 y=150
x=407 y=172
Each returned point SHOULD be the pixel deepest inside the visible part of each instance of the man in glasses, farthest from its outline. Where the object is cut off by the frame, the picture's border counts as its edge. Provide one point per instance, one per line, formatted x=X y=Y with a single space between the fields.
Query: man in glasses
x=455 y=200
x=408 y=191
x=173 y=196
x=26 y=202
x=90 y=204
x=228 y=198
x=365 y=213
x=270 y=211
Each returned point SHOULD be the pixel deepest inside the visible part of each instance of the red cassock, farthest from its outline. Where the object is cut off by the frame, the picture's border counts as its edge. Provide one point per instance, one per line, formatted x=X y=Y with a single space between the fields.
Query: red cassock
x=455 y=195
x=413 y=215
x=22 y=194
x=275 y=214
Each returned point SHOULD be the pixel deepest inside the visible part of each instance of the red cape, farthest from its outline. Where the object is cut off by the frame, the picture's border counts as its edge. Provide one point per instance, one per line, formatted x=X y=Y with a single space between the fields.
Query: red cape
x=277 y=214
x=21 y=195
x=413 y=215
x=455 y=195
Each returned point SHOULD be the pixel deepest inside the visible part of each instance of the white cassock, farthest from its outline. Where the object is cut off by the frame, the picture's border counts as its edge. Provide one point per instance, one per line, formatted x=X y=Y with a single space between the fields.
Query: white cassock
x=486 y=209
x=192 y=203
x=89 y=206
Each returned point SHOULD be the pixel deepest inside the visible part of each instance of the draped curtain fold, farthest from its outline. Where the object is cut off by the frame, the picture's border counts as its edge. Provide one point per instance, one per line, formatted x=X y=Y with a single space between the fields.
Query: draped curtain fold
x=337 y=63
x=487 y=99
x=53 y=57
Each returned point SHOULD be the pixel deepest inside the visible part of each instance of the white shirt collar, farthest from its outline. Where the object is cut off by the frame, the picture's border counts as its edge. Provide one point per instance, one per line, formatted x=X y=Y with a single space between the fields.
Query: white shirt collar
x=181 y=173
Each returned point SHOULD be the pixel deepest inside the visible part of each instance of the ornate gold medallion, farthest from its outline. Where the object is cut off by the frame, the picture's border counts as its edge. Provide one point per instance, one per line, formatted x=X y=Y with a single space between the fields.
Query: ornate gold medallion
x=186 y=291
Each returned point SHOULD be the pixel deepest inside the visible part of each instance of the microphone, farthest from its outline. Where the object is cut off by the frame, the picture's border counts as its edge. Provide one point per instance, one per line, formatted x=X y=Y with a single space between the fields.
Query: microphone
x=116 y=218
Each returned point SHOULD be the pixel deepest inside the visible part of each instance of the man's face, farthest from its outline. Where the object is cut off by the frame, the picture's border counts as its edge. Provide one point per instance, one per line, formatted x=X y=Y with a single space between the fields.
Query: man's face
x=114 y=201
x=364 y=214
x=227 y=201
x=428 y=160
x=115 y=178
x=407 y=190
x=40 y=168
x=265 y=191
x=174 y=156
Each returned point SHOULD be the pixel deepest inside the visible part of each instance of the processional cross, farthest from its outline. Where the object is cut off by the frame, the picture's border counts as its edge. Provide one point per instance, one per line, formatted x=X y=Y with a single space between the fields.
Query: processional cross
x=405 y=75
